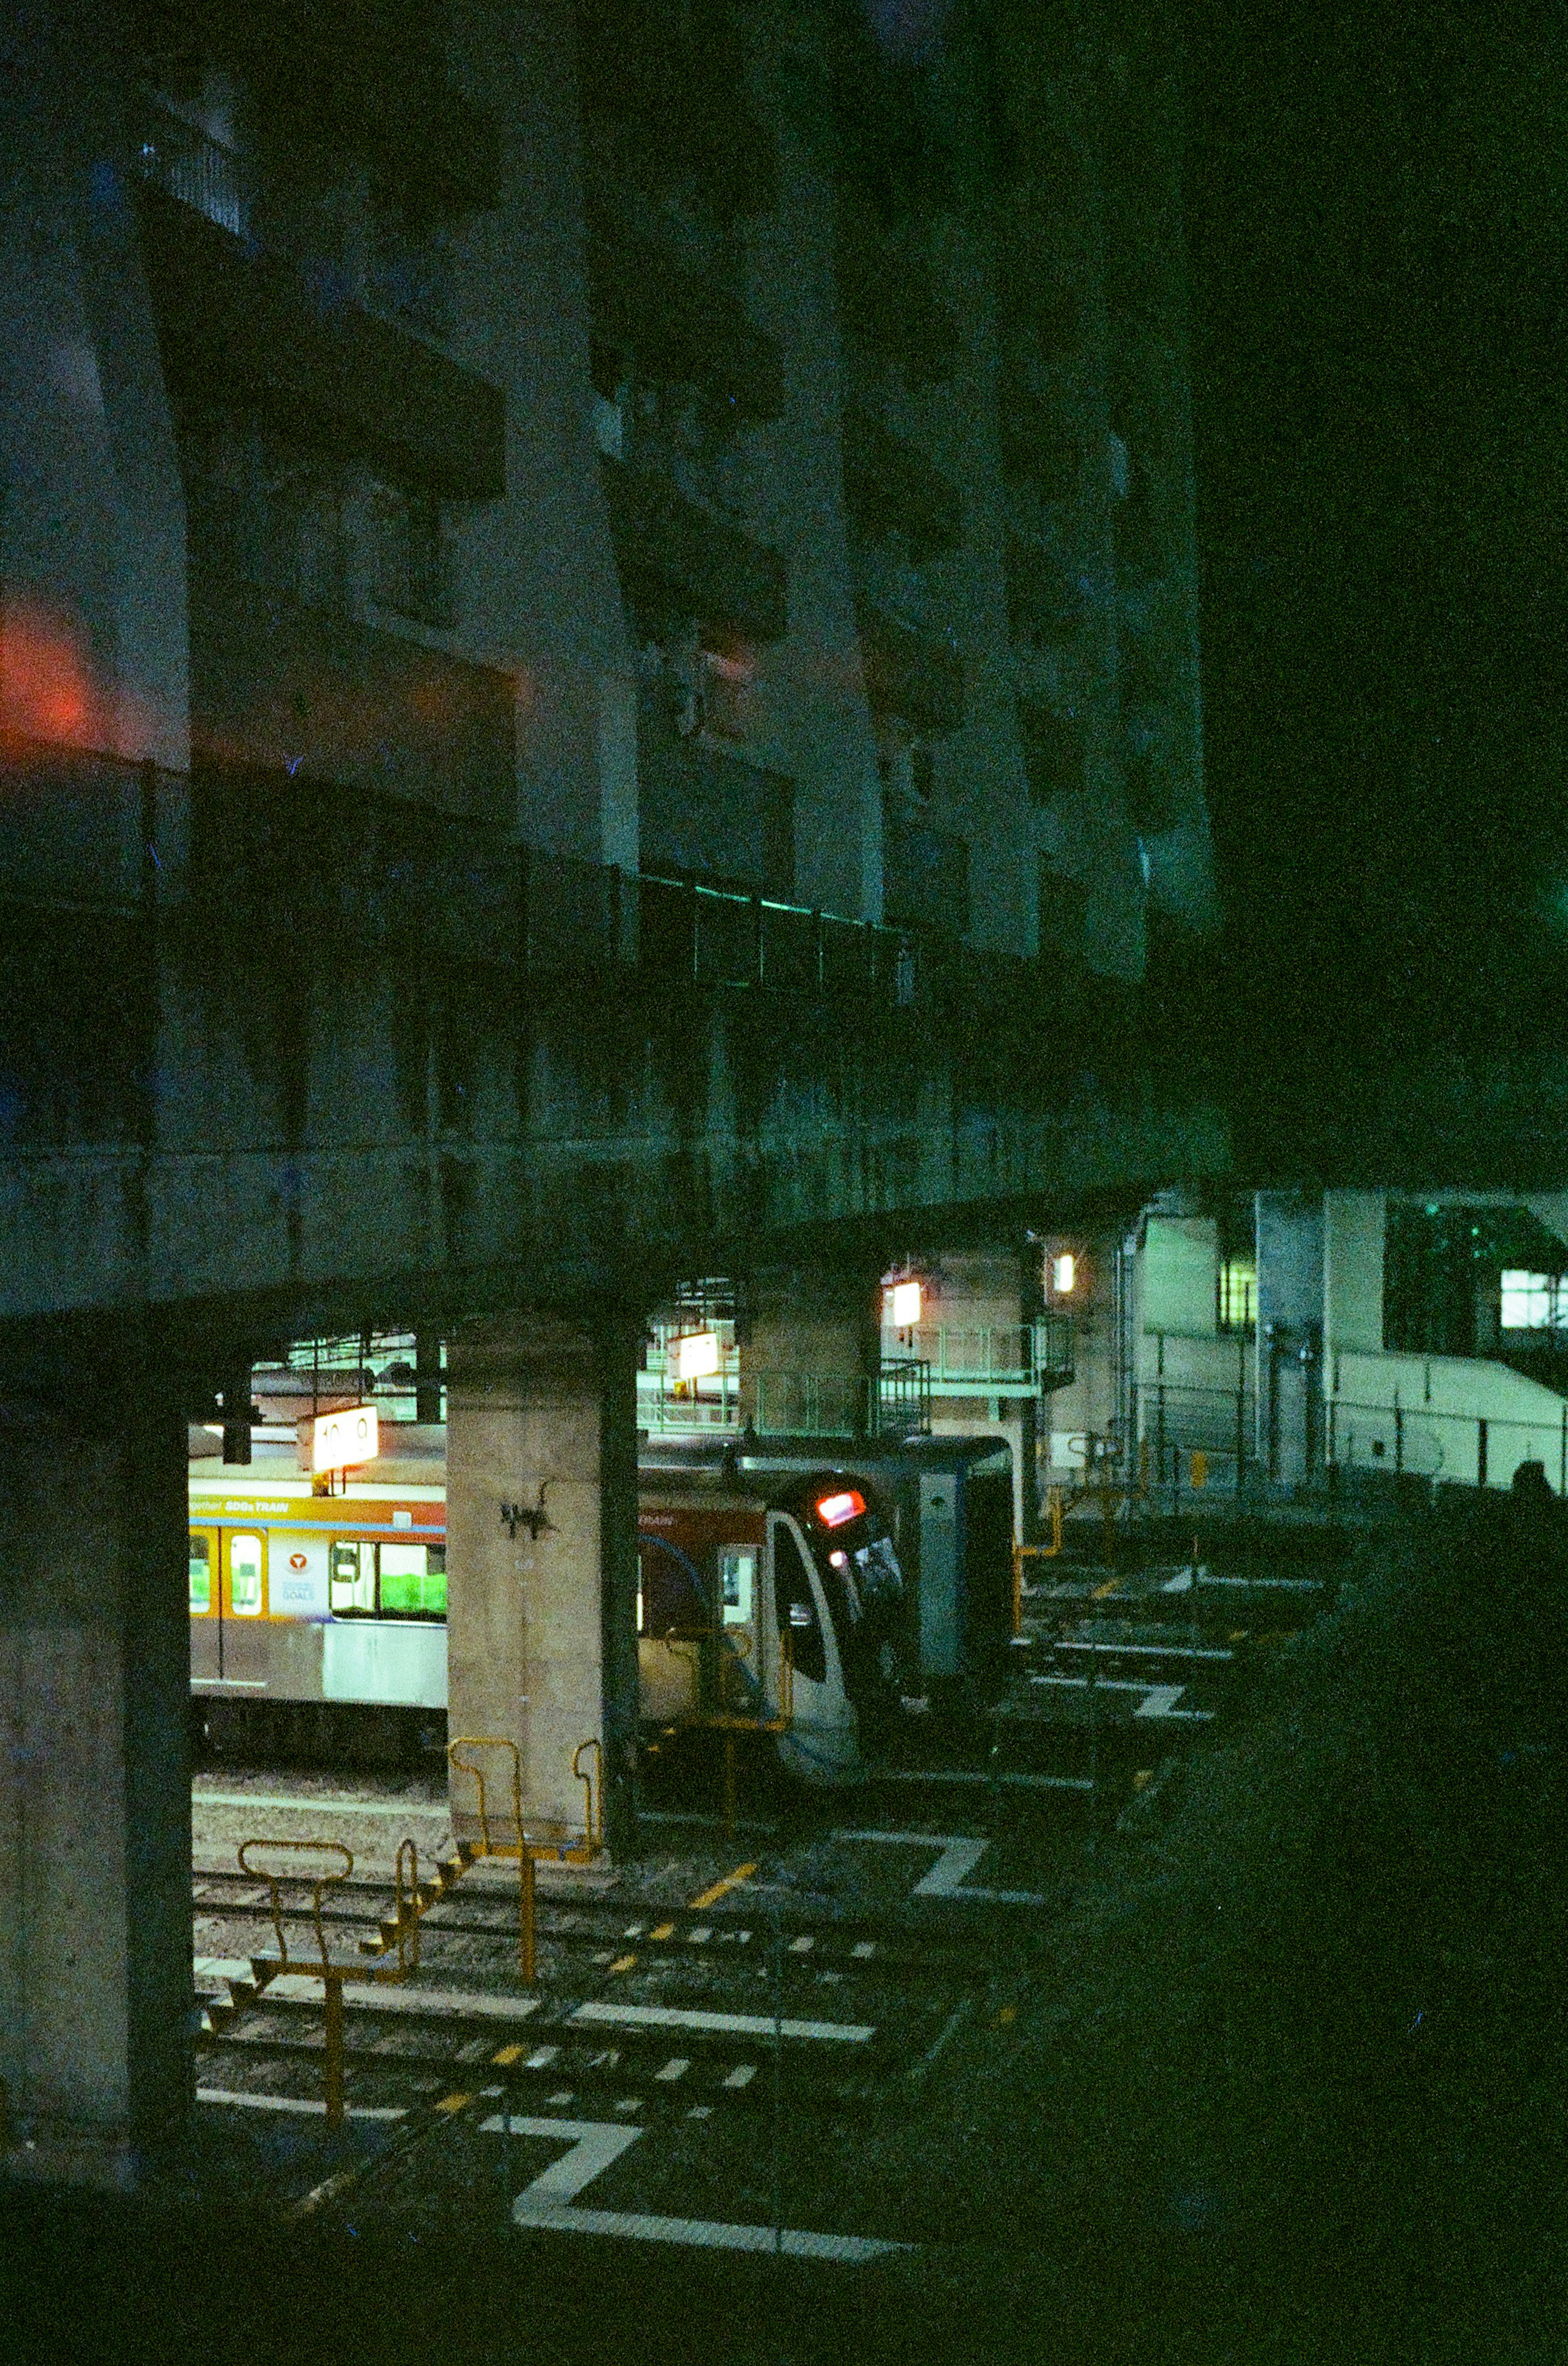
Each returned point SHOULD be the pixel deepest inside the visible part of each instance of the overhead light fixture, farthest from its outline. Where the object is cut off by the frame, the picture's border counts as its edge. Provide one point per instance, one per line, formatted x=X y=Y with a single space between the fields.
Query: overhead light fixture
x=693 y=1356
x=903 y=1304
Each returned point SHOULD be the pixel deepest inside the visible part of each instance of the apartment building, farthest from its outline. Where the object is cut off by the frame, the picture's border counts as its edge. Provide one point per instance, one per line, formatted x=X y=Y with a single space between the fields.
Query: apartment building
x=737 y=443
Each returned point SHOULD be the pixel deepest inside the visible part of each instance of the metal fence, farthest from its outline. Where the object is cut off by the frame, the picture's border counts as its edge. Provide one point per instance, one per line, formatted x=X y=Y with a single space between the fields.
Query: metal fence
x=245 y=849
x=1193 y=1435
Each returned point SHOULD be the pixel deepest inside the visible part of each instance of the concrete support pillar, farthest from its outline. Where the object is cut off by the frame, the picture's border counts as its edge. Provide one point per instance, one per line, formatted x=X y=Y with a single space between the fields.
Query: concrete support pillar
x=809 y=1345
x=541 y=1555
x=1290 y=1333
x=96 y=1989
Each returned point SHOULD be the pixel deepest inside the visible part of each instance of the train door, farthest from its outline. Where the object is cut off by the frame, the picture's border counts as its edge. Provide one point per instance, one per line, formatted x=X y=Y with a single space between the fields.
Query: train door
x=206 y=1626
x=243 y=1606
x=739 y=1677
x=821 y=1743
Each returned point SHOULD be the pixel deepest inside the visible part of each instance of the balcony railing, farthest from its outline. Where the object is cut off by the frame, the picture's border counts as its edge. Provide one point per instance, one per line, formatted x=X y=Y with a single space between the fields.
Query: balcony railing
x=894 y=1403
x=187 y=164
x=249 y=848
x=993 y=1359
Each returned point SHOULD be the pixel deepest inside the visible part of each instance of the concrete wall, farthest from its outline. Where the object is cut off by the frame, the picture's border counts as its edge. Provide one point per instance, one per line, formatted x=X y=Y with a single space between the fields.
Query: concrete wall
x=92 y=515
x=539 y=588
x=1353 y=1228
x=95 y=1784
x=1181 y=1265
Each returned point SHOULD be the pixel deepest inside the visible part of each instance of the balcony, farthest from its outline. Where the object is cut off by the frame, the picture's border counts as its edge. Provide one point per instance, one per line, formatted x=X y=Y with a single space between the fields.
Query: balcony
x=917 y=676
x=289 y=688
x=889 y=294
x=246 y=327
x=1045 y=600
x=679 y=326
x=673 y=555
x=890 y=487
x=1053 y=751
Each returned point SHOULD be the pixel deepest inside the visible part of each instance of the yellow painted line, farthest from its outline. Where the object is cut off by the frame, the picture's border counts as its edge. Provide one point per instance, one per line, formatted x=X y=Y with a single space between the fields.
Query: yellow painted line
x=622 y=1964
x=507 y=2054
x=1102 y=1591
x=454 y=2102
x=722 y=1888
x=664 y=1931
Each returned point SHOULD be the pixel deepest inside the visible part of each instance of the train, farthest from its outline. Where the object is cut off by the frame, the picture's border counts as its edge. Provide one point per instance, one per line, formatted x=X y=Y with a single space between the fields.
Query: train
x=816 y=1598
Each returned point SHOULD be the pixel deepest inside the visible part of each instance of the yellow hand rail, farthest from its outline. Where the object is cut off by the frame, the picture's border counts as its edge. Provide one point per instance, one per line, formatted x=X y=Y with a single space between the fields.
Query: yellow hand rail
x=325 y=1881
x=331 y=1974
x=468 y=1766
x=408 y=1917
x=517 y=1848
x=593 y=1785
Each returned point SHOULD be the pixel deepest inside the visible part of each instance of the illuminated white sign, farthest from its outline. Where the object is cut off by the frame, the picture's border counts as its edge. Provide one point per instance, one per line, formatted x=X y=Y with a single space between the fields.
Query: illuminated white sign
x=338 y=1439
x=695 y=1355
x=1064 y=1275
x=903 y=1304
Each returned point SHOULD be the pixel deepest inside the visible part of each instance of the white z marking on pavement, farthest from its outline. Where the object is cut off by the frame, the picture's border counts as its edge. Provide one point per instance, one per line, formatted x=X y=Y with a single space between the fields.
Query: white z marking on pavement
x=945 y=1878
x=550 y=2203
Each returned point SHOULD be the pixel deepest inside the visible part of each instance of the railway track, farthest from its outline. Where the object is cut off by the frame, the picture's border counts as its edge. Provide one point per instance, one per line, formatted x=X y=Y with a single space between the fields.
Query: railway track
x=815 y=1942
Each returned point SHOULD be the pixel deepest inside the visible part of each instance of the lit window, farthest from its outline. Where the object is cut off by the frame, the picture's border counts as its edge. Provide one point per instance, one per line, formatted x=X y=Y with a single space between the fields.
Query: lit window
x=1533 y=1302
x=245 y=1576
x=1064 y=1273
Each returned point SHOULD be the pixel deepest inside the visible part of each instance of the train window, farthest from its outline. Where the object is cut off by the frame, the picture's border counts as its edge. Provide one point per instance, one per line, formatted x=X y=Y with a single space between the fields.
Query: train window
x=413 y=1581
x=201 y=1577
x=737 y=1577
x=674 y=1596
x=245 y=1576
x=353 y=1572
x=797 y=1605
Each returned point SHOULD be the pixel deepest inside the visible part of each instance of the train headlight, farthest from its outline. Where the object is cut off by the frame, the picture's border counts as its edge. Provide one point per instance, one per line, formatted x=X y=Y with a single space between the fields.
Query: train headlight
x=833 y=1511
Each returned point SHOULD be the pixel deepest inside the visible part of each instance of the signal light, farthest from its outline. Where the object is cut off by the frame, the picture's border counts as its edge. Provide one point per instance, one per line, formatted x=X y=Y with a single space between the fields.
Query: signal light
x=832 y=1511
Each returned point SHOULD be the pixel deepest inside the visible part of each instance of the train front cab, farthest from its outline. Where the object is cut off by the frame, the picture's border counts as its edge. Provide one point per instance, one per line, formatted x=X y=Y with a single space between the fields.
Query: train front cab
x=753 y=1611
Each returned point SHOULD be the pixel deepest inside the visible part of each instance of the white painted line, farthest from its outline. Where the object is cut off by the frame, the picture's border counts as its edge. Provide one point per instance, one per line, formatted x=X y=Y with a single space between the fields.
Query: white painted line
x=629 y=2103
x=634 y=1929
x=306 y=1988
x=222 y=1968
x=864 y=1949
x=701 y=2111
x=802 y=1946
x=1162 y=1703
x=314 y=2105
x=945 y=1878
x=565 y=2096
x=722 y=2024
x=701 y=1936
x=430 y=1809
x=741 y=2075
x=547 y=2204
x=541 y=2056
x=676 y=2068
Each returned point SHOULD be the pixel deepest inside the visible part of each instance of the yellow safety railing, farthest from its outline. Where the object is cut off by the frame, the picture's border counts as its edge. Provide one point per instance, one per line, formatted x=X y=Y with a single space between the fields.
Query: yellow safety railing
x=407 y=1913
x=593 y=1797
x=331 y=1974
x=517 y=1848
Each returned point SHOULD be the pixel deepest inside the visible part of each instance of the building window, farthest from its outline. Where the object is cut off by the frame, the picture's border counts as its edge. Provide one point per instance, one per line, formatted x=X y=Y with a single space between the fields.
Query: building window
x=1533 y=1302
x=407 y=570
x=1235 y=1296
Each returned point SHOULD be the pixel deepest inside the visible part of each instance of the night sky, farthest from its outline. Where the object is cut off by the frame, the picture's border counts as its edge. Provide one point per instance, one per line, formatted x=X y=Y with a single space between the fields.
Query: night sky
x=1378 y=222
